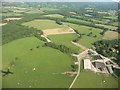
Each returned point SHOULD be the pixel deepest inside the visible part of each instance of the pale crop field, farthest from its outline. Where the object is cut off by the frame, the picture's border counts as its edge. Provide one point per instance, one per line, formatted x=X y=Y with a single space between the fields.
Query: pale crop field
x=110 y=35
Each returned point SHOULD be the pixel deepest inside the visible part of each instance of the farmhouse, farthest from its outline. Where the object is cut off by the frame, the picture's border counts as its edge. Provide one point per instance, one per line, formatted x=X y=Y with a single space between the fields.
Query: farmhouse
x=87 y=64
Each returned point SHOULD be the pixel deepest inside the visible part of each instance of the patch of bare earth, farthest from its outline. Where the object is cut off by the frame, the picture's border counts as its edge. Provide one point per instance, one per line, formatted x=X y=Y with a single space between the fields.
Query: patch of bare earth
x=58 y=31
x=2 y=24
x=11 y=19
x=109 y=35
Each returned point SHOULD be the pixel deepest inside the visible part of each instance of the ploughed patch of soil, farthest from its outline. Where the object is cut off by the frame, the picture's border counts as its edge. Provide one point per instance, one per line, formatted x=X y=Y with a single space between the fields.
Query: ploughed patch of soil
x=58 y=31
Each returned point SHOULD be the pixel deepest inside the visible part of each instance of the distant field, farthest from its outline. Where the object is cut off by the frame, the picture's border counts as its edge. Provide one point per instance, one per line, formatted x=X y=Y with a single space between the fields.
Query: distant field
x=109 y=35
x=48 y=9
x=89 y=79
x=48 y=63
x=87 y=40
x=111 y=17
x=108 y=26
x=77 y=20
x=43 y=24
x=65 y=39
x=54 y=15
x=115 y=24
x=35 y=11
x=10 y=14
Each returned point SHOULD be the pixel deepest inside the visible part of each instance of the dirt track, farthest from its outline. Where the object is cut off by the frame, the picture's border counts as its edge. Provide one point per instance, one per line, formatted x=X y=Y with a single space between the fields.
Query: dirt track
x=2 y=24
x=83 y=48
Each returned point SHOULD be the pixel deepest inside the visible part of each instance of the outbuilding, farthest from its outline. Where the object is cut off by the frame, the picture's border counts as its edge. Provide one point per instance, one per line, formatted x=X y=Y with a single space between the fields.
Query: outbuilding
x=87 y=64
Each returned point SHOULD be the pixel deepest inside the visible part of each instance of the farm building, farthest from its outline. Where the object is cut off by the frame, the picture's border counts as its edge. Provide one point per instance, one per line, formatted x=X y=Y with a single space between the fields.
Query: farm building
x=99 y=65
x=110 y=69
x=97 y=57
x=87 y=64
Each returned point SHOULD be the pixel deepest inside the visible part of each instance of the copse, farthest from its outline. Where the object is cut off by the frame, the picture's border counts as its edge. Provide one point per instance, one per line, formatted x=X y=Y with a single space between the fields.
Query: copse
x=15 y=31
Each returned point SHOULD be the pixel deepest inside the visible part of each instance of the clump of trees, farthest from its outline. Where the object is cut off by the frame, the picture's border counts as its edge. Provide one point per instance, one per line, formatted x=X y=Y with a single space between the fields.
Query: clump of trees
x=40 y=38
x=109 y=48
x=14 y=31
x=59 y=22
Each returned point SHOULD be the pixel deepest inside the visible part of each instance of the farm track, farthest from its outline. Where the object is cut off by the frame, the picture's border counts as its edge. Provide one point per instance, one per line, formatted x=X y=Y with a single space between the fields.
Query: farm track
x=79 y=57
x=83 y=48
x=78 y=72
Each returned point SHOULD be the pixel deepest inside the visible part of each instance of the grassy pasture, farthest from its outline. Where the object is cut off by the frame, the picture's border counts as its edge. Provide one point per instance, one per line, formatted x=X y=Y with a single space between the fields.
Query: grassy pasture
x=88 y=79
x=54 y=15
x=48 y=9
x=35 y=11
x=65 y=39
x=43 y=24
x=115 y=24
x=108 y=26
x=49 y=64
x=77 y=20
x=10 y=14
x=86 y=40
x=15 y=49
x=112 y=17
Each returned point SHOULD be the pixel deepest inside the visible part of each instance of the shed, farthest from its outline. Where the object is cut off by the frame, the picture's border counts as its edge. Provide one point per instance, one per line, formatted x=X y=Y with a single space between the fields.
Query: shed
x=87 y=64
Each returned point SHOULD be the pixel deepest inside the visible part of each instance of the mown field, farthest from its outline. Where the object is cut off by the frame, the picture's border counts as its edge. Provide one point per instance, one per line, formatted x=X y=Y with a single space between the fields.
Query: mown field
x=88 y=79
x=87 y=40
x=54 y=15
x=65 y=39
x=22 y=56
x=78 y=20
x=10 y=14
x=107 y=26
x=43 y=24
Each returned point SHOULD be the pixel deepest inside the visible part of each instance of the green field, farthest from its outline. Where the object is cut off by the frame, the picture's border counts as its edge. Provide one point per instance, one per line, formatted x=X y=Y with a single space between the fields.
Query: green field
x=34 y=11
x=10 y=14
x=107 y=26
x=87 y=40
x=43 y=24
x=54 y=15
x=48 y=9
x=49 y=64
x=78 y=20
x=111 y=17
x=88 y=79
x=65 y=39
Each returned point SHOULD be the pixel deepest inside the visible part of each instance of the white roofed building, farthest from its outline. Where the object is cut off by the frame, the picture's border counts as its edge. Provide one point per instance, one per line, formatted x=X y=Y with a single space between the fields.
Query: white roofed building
x=87 y=64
